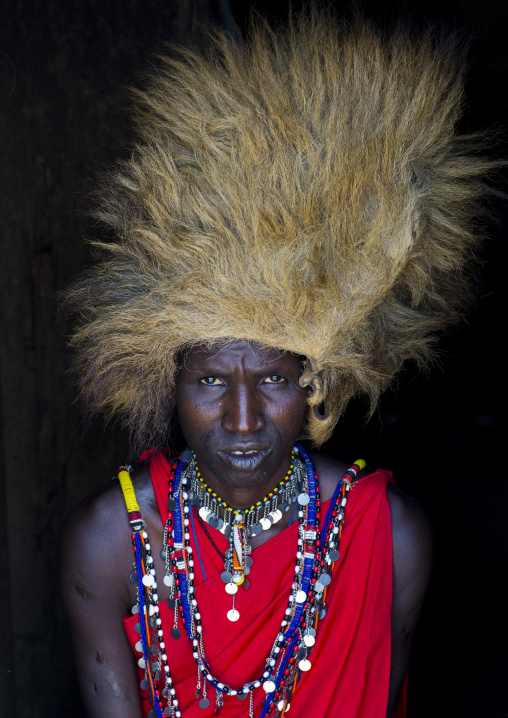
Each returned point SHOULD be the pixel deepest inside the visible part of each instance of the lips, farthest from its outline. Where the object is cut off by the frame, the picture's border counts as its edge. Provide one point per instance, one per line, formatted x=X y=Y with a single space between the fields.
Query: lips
x=244 y=458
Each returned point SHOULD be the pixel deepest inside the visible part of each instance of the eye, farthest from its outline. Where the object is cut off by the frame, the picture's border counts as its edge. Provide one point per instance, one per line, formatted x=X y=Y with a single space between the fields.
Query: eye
x=210 y=381
x=274 y=379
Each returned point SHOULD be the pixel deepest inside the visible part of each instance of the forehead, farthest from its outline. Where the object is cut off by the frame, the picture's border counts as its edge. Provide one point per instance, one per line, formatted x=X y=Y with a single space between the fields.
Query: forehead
x=238 y=353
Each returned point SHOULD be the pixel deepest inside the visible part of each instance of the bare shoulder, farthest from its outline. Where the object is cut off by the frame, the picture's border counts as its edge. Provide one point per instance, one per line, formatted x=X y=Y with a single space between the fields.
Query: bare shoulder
x=412 y=541
x=97 y=560
x=330 y=471
x=96 y=548
x=412 y=538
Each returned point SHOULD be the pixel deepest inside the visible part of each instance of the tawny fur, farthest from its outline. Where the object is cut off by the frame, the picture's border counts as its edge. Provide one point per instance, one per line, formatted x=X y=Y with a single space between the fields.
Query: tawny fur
x=305 y=190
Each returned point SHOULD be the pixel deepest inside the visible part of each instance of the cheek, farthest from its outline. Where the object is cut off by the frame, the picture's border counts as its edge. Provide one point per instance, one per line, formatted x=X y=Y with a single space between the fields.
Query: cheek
x=196 y=418
x=289 y=415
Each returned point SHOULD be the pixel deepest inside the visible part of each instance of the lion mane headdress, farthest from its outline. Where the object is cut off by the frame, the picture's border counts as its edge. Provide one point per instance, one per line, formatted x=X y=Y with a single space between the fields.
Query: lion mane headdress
x=304 y=189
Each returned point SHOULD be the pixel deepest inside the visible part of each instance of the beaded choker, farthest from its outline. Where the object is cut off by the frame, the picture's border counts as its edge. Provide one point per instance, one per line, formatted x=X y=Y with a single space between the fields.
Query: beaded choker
x=243 y=523
x=259 y=517
x=288 y=658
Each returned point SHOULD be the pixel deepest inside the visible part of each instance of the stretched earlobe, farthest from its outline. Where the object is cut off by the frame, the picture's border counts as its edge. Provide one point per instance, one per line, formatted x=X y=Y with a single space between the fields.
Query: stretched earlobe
x=320 y=412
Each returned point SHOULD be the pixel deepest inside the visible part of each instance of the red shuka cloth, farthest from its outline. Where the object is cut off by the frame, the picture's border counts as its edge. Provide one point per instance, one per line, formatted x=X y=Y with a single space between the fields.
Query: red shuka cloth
x=351 y=658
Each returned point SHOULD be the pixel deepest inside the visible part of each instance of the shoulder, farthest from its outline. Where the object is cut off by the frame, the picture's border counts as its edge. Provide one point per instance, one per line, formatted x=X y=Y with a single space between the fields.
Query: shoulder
x=412 y=559
x=96 y=548
x=330 y=471
x=412 y=532
x=95 y=544
x=412 y=540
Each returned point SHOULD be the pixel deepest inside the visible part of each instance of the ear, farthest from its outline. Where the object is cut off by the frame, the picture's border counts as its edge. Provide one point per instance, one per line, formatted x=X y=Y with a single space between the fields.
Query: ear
x=320 y=411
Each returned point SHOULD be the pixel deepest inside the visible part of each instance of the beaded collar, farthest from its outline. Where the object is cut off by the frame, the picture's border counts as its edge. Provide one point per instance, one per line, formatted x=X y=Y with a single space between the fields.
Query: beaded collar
x=243 y=523
x=288 y=658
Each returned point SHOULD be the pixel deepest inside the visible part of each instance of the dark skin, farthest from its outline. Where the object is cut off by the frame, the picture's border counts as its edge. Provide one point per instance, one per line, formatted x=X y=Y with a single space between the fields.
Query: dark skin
x=240 y=408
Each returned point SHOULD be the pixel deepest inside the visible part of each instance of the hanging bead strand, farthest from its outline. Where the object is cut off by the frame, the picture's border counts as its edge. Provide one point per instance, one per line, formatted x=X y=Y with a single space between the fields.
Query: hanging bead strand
x=317 y=553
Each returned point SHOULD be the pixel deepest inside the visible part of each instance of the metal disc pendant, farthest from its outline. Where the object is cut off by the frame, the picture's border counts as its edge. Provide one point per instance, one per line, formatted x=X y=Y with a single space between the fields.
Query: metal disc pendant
x=303 y=499
x=231 y=588
x=163 y=554
x=256 y=529
x=266 y=523
x=144 y=685
x=309 y=641
x=213 y=521
x=171 y=603
x=318 y=587
x=220 y=524
x=304 y=665
x=133 y=577
x=171 y=504
x=233 y=615
x=325 y=578
x=203 y=512
x=246 y=584
x=301 y=597
x=168 y=580
x=334 y=555
x=248 y=561
x=175 y=633
x=269 y=686
x=167 y=712
x=197 y=694
x=226 y=576
x=241 y=696
x=310 y=632
x=204 y=703
x=322 y=612
x=137 y=628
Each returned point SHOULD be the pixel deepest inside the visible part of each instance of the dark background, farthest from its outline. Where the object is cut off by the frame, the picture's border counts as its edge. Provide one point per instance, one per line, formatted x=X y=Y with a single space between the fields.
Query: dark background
x=64 y=67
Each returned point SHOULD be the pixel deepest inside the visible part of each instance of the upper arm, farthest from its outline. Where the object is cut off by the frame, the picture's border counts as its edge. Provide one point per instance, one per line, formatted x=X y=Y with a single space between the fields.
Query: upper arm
x=96 y=561
x=412 y=561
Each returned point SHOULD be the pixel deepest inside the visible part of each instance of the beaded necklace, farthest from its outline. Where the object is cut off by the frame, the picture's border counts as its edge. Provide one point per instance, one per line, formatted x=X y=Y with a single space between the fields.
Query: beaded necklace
x=258 y=517
x=288 y=658
x=242 y=523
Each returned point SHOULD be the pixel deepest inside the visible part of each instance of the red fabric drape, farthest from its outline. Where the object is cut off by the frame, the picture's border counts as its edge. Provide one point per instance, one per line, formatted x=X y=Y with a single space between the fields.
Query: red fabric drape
x=351 y=658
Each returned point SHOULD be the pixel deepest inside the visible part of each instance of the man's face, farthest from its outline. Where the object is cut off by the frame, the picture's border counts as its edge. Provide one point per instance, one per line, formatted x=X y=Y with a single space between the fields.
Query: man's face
x=241 y=408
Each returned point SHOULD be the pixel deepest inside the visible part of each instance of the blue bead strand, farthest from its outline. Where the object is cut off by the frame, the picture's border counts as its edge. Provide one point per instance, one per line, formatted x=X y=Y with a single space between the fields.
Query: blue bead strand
x=144 y=636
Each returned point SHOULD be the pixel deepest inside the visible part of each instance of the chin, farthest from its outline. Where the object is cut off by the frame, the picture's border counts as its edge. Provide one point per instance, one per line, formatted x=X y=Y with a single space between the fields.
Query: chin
x=236 y=473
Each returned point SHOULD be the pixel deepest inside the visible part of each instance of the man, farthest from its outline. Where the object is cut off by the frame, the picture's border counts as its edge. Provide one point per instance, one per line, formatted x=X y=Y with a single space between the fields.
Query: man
x=294 y=225
x=241 y=408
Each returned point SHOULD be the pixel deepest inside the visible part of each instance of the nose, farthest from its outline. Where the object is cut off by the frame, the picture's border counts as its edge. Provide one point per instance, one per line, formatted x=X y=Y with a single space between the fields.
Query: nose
x=243 y=411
